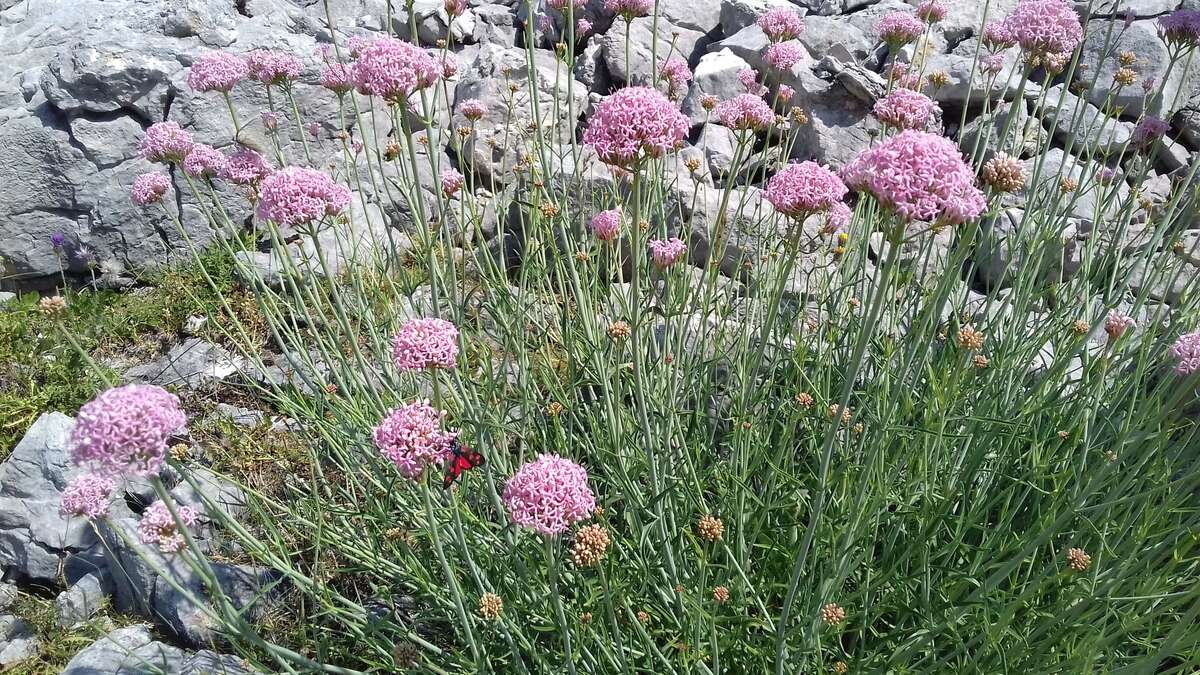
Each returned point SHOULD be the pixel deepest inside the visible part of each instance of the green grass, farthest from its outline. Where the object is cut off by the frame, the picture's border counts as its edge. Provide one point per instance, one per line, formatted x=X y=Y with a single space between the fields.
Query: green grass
x=40 y=371
x=58 y=645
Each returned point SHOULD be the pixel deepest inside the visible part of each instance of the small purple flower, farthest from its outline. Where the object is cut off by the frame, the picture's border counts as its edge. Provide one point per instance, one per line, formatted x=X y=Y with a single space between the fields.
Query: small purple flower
x=58 y=240
x=1186 y=352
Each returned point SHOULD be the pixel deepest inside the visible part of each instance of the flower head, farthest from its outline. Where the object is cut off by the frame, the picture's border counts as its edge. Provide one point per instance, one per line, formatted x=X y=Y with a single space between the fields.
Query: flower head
x=784 y=55
x=992 y=64
x=582 y=27
x=1116 y=324
x=906 y=109
x=273 y=67
x=1004 y=173
x=635 y=123
x=749 y=79
x=997 y=35
x=88 y=496
x=745 y=111
x=666 y=253
x=591 y=545
x=919 y=176
x=297 y=195
x=270 y=120
x=1186 y=352
x=472 y=109
x=1150 y=129
x=1180 y=28
x=245 y=167
x=899 y=28
x=833 y=614
x=338 y=78
x=786 y=93
x=204 y=161
x=1078 y=559
x=217 y=71
x=677 y=74
x=165 y=142
x=491 y=606
x=158 y=527
x=394 y=70
x=710 y=528
x=781 y=24
x=149 y=188
x=931 y=11
x=452 y=181
x=606 y=225
x=425 y=344
x=1044 y=27
x=124 y=430
x=412 y=437
x=799 y=190
x=549 y=494
x=629 y=9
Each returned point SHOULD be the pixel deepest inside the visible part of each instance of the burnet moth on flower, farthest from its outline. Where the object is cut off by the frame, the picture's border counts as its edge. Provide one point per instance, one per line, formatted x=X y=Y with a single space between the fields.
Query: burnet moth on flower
x=462 y=458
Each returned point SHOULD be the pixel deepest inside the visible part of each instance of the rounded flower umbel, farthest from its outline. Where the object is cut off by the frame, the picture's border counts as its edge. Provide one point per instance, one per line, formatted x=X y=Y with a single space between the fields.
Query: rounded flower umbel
x=273 y=67
x=906 y=109
x=549 y=494
x=452 y=181
x=899 y=28
x=217 y=71
x=800 y=190
x=245 y=167
x=88 y=496
x=745 y=112
x=1186 y=352
x=204 y=161
x=666 y=253
x=606 y=225
x=159 y=528
x=298 y=195
x=781 y=24
x=1116 y=324
x=425 y=344
x=394 y=70
x=634 y=124
x=149 y=188
x=165 y=142
x=1044 y=27
x=411 y=436
x=784 y=55
x=629 y=9
x=124 y=430
x=918 y=176
x=1180 y=29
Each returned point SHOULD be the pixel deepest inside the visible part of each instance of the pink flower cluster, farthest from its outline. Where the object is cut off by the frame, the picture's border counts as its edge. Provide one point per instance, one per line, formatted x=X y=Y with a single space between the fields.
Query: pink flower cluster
x=245 y=167
x=204 y=161
x=997 y=35
x=635 y=123
x=1116 y=324
x=273 y=67
x=561 y=5
x=918 y=176
x=677 y=74
x=165 y=142
x=784 y=55
x=1044 y=27
x=394 y=70
x=905 y=109
x=217 y=71
x=149 y=188
x=931 y=11
x=800 y=190
x=549 y=494
x=745 y=111
x=1180 y=28
x=781 y=24
x=297 y=195
x=749 y=79
x=412 y=437
x=666 y=253
x=838 y=218
x=472 y=109
x=629 y=9
x=88 y=496
x=338 y=78
x=899 y=28
x=1150 y=129
x=124 y=430
x=1186 y=352
x=606 y=225
x=425 y=344
x=452 y=181
x=158 y=527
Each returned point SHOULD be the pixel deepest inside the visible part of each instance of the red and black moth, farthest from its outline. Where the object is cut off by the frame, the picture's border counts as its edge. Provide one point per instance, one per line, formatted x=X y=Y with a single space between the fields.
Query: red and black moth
x=462 y=458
